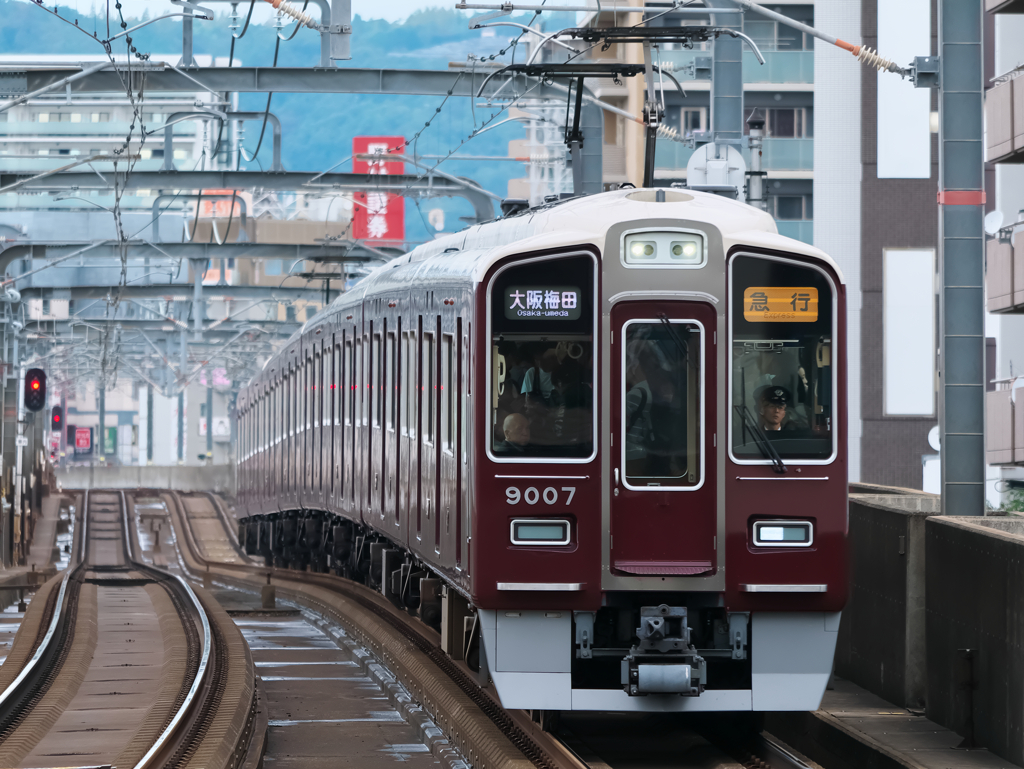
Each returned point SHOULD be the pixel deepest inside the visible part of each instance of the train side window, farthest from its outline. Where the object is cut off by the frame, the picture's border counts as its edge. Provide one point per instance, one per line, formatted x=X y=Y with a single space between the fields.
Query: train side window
x=307 y=402
x=781 y=374
x=392 y=365
x=348 y=383
x=428 y=388
x=316 y=391
x=403 y=389
x=362 y=353
x=336 y=384
x=377 y=379
x=447 y=388
x=464 y=392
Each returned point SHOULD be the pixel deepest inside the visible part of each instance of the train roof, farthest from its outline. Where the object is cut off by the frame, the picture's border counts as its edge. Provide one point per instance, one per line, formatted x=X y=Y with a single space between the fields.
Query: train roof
x=573 y=221
x=586 y=220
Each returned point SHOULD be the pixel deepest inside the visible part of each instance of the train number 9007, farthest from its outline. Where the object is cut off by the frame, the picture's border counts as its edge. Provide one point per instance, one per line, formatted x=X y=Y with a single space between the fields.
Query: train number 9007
x=532 y=495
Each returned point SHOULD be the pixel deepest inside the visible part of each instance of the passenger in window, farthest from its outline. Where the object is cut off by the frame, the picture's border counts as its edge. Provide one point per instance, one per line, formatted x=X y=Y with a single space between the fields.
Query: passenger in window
x=638 y=420
x=516 y=429
x=537 y=382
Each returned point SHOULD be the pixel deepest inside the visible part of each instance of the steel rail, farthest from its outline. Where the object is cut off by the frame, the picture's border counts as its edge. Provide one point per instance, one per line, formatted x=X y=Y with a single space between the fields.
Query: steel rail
x=12 y=694
x=8 y=699
x=191 y=699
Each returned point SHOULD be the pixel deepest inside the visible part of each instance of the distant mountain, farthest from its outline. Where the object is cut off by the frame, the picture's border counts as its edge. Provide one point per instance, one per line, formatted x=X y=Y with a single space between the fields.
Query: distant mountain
x=318 y=128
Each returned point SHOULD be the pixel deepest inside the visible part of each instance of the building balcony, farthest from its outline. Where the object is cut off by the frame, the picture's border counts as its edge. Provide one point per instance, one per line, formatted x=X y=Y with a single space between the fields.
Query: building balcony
x=1004 y=276
x=1004 y=122
x=117 y=130
x=40 y=201
x=778 y=154
x=1004 y=416
x=35 y=164
x=779 y=67
x=802 y=230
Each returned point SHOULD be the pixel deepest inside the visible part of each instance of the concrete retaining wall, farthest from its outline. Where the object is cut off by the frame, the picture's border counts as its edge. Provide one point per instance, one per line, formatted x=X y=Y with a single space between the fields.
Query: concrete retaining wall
x=935 y=617
x=881 y=643
x=975 y=601
x=218 y=478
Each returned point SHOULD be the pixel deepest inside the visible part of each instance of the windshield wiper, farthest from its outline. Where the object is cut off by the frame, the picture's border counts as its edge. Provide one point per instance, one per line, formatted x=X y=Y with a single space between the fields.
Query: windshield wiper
x=765 y=445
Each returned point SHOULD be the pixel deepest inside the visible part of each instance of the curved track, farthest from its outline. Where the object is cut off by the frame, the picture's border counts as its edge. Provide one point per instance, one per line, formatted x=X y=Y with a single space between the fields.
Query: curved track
x=129 y=668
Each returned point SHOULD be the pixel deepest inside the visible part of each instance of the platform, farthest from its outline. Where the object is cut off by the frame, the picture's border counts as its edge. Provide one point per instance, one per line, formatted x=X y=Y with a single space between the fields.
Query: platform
x=855 y=729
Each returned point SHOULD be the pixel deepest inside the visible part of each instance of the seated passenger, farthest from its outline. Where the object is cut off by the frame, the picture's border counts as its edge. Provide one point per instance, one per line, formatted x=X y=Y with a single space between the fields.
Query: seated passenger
x=771 y=406
x=517 y=435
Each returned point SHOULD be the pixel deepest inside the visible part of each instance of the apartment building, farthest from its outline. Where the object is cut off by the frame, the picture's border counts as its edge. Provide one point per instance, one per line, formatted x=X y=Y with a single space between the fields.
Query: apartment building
x=1004 y=274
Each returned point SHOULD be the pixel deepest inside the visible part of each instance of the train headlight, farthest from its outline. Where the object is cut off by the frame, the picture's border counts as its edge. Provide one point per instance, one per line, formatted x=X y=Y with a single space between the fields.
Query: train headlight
x=783 y=533
x=643 y=250
x=686 y=251
x=673 y=248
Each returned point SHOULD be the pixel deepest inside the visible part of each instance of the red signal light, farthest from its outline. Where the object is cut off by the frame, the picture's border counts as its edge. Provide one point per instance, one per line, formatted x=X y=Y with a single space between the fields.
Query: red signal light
x=35 y=384
x=56 y=417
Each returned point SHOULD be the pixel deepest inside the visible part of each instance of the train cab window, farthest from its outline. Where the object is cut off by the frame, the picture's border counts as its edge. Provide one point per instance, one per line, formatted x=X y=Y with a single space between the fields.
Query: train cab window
x=542 y=361
x=782 y=376
x=661 y=409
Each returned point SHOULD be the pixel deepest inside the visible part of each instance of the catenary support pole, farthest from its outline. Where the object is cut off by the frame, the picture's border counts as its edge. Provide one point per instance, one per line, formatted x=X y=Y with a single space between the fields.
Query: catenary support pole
x=962 y=254
x=209 y=416
x=102 y=431
x=727 y=79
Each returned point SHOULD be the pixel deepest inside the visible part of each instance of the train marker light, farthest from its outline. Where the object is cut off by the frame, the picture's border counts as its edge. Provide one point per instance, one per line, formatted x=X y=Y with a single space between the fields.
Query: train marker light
x=543 y=531
x=783 y=533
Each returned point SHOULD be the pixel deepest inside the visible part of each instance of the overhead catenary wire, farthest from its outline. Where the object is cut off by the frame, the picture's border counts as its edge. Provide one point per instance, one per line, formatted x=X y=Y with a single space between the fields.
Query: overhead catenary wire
x=864 y=54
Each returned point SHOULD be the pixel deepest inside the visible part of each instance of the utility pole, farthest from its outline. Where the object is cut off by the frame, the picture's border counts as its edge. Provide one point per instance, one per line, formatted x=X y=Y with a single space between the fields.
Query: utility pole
x=962 y=257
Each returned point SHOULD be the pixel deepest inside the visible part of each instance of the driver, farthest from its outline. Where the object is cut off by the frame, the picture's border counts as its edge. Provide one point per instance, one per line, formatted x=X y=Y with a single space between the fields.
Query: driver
x=772 y=402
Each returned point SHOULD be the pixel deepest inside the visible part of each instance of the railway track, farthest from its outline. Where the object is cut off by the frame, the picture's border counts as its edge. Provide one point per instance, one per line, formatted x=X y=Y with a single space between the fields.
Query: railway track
x=206 y=538
x=128 y=666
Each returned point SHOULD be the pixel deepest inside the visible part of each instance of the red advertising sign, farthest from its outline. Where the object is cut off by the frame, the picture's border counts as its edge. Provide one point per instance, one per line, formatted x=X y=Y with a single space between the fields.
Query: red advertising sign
x=379 y=216
x=83 y=439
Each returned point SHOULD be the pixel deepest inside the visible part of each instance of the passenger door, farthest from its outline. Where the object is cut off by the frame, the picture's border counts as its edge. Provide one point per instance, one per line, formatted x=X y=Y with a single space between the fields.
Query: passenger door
x=663 y=510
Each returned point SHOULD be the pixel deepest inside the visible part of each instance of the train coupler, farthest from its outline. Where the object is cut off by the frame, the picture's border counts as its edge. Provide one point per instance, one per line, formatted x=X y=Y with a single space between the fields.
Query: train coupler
x=664 y=662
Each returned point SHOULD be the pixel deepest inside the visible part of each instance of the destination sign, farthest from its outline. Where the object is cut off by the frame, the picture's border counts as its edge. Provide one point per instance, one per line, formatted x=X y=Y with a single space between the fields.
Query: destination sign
x=780 y=304
x=542 y=303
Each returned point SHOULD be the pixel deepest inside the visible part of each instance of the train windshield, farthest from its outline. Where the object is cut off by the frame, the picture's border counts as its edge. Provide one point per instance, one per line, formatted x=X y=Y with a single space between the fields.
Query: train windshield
x=542 y=360
x=782 y=368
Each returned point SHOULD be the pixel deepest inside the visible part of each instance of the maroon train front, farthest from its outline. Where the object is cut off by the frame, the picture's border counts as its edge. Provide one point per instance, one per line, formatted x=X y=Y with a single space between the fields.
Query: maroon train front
x=601 y=444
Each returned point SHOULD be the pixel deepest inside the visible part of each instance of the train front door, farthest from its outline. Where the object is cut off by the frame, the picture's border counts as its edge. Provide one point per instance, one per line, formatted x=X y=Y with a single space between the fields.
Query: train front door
x=663 y=509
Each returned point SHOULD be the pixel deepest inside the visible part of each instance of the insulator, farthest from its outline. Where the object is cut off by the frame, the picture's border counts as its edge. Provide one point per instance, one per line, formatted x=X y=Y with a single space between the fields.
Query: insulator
x=666 y=131
x=871 y=58
x=285 y=7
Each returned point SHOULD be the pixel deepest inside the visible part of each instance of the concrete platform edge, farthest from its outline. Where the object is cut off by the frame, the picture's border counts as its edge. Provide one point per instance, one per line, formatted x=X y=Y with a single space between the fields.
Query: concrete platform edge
x=823 y=738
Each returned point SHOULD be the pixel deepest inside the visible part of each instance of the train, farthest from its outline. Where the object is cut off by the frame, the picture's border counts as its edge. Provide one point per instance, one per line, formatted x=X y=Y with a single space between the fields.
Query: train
x=599 y=444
